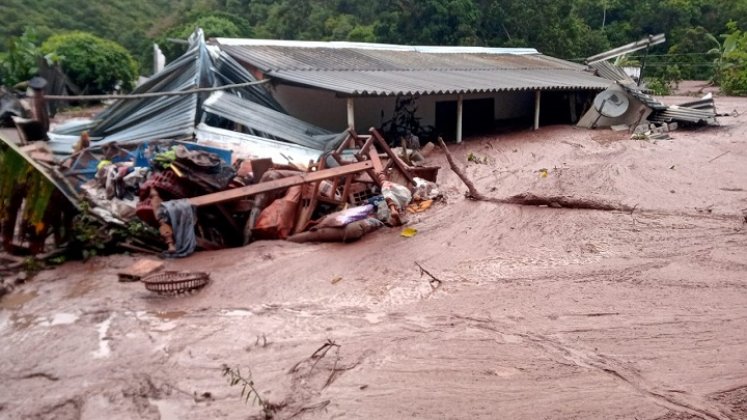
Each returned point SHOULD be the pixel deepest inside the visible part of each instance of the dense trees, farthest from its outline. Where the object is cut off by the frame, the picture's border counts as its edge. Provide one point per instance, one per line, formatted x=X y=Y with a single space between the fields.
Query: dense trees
x=570 y=29
x=93 y=64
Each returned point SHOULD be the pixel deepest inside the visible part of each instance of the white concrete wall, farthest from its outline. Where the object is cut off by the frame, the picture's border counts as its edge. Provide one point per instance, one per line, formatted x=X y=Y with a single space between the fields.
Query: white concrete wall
x=327 y=110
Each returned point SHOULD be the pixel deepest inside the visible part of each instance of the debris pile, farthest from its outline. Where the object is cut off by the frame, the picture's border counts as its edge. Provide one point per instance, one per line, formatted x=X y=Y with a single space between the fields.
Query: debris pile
x=198 y=196
x=202 y=156
x=626 y=107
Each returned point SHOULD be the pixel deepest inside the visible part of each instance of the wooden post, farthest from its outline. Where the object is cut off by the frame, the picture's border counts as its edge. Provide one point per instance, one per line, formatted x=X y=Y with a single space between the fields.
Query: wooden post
x=537 y=109
x=351 y=113
x=39 y=109
x=572 y=99
x=460 y=106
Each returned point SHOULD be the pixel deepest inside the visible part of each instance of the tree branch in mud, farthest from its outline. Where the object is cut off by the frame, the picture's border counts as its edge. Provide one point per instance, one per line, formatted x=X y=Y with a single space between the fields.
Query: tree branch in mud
x=317 y=355
x=472 y=194
x=248 y=390
x=563 y=201
x=529 y=199
x=434 y=282
x=320 y=406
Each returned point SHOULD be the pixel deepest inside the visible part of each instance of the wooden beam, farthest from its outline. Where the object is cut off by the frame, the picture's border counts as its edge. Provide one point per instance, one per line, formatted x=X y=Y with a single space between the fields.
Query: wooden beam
x=392 y=156
x=302 y=178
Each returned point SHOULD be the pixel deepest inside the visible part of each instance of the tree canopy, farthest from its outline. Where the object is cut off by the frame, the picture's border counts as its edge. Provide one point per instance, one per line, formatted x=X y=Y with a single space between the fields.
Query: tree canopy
x=570 y=29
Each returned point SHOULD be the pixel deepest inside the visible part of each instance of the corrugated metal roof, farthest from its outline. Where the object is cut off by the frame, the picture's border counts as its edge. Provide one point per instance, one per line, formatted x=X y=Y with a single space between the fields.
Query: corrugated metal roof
x=270 y=123
x=271 y=58
x=431 y=82
x=667 y=113
x=382 y=70
x=610 y=71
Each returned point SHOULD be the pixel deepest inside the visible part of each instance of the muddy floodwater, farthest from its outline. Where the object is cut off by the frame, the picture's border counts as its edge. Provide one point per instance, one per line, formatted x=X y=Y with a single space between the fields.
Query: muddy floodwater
x=541 y=313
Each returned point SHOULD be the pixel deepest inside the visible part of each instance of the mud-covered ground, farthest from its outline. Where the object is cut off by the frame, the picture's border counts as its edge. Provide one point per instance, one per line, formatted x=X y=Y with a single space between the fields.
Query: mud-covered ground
x=542 y=313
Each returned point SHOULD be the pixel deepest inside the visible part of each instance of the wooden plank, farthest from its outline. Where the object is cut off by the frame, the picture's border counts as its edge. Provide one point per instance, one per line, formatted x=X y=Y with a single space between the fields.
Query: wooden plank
x=394 y=158
x=139 y=269
x=302 y=178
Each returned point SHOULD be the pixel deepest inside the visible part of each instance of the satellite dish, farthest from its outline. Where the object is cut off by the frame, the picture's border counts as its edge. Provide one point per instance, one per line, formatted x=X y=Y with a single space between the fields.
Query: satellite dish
x=611 y=103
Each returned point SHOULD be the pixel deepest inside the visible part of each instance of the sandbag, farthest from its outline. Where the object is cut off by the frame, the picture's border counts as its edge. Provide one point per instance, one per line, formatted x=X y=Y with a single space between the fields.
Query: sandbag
x=278 y=219
x=349 y=233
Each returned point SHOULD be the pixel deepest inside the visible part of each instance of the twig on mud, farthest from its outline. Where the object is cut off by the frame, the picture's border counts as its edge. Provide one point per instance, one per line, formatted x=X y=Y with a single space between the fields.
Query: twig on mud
x=205 y=396
x=633 y=215
x=319 y=406
x=722 y=154
x=433 y=279
x=44 y=375
x=317 y=355
x=334 y=369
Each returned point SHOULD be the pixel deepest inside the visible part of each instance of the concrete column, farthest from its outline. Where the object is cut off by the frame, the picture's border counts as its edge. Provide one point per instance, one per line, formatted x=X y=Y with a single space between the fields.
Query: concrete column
x=351 y=113
x=537 y=109
x=460 y=106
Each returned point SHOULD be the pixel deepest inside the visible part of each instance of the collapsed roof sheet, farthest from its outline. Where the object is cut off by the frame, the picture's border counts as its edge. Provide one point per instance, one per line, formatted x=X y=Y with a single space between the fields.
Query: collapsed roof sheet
x=692 y=113
x=610 y=71
x=137 y=120
x=267 y=122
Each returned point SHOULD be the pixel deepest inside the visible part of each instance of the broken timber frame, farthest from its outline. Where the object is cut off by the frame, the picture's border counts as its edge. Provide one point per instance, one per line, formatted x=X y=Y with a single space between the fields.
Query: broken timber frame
x=302 y=178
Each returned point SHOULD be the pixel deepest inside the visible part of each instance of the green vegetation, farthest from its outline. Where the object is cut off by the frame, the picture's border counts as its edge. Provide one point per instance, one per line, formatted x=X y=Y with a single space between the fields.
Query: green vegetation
x=19 y=62
x=17 y=177
x=730 y=64
x=94 y=64
x=570 y=29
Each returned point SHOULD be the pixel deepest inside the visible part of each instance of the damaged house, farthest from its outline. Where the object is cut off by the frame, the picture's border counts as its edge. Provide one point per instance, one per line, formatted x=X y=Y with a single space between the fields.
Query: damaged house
x=240 y=139
x=458 y=91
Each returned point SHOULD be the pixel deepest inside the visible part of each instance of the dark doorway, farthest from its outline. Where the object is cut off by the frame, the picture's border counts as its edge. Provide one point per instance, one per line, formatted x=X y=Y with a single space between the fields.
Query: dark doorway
x=477 y=117
x=562 y=107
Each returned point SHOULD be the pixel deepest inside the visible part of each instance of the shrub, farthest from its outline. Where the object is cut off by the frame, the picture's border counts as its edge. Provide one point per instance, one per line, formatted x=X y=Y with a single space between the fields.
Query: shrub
x=96 y=65
x=19 y=63
x=658 y=86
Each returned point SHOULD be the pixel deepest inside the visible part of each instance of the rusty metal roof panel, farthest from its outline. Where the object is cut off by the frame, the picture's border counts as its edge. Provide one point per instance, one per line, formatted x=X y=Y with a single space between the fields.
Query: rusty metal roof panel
x=432 y=82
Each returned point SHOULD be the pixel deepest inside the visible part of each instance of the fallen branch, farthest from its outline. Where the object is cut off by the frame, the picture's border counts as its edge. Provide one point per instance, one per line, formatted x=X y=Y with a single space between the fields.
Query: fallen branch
x=473 y=194
x=433 y=278
x=560 y=201
x=317 y=355
x=529 y=199
x=320 y=406
x=722 y=154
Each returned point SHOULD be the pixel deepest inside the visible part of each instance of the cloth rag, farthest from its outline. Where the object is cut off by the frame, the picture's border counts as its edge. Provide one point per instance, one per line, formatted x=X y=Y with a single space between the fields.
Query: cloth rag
x=183 y=219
